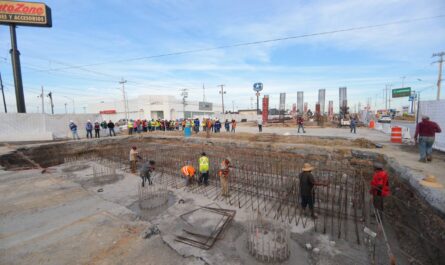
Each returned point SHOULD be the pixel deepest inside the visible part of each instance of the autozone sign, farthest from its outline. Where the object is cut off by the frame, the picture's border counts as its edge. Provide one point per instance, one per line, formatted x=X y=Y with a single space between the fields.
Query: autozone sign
x=25 y=13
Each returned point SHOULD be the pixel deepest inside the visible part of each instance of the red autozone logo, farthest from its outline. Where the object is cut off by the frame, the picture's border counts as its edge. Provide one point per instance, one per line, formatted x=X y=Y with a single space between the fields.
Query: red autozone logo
x=22 y=8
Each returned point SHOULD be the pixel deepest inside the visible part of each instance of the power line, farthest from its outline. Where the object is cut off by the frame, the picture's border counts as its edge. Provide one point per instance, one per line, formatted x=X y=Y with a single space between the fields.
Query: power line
x=254 y=42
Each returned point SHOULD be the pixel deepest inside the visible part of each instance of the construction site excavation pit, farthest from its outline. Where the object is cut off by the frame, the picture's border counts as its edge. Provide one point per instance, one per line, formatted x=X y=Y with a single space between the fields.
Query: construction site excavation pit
x=263 y=183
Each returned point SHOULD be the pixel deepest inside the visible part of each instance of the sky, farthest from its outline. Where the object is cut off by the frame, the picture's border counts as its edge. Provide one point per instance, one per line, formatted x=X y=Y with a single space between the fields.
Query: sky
x=94 y=44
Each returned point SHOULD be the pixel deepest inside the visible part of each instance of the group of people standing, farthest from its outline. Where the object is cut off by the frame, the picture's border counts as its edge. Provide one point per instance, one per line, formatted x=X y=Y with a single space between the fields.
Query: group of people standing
x=89 y=127
x=138 y=126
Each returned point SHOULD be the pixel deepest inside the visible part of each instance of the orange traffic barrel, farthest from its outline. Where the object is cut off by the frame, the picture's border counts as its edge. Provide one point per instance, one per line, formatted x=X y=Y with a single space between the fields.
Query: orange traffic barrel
x=396 y=134
x=372 y=124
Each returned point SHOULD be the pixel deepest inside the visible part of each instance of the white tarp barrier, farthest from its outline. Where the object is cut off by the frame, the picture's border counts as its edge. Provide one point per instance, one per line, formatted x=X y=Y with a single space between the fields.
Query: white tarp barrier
x=41 y=127
x=435 y=109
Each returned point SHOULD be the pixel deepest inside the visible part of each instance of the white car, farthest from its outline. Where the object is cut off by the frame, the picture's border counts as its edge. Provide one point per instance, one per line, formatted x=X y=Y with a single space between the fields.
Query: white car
x=385 y=119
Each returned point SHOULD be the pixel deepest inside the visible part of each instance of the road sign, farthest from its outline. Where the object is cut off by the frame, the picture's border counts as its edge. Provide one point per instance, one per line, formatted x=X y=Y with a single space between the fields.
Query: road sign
x=257 y=87
x=401 y=92
x=411 y=98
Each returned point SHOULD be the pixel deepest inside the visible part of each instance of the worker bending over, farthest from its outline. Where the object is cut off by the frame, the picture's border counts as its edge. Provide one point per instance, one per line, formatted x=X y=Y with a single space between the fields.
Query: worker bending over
x=189 y=173
x=146 y=170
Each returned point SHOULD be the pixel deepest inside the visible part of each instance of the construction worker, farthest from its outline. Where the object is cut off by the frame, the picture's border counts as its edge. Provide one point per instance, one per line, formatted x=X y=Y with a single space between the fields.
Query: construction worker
x=427 y=131
x=134 y=155
x=224 y=177
x=146 y=170
x=209 y=127
x=130 y=127
x=379 y=186
x=300 y=122
x=189 y=173
x=204 y=169
x=307 y=183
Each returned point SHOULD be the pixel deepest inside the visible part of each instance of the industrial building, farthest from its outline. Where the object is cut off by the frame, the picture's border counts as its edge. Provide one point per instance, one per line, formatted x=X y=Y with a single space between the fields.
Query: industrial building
x=154 y=107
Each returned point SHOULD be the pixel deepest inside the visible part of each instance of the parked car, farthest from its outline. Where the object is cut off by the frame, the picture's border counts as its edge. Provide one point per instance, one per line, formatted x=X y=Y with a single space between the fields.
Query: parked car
x=385 y=119
x=122 y=122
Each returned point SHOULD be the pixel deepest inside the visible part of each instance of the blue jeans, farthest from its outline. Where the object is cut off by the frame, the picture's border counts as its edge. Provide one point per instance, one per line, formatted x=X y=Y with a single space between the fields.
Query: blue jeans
x=300 y=126
x=75 y=135
x=353 y=129
x=425 y=146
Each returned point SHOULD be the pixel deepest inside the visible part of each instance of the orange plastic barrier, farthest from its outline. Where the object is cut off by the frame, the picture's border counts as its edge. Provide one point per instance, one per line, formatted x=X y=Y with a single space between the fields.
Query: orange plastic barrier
x=396 y=135
x=372 y=124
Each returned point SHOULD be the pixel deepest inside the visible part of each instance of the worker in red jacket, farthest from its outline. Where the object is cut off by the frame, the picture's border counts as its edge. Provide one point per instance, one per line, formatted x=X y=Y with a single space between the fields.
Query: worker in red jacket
x=426 y=130
x=379 y=186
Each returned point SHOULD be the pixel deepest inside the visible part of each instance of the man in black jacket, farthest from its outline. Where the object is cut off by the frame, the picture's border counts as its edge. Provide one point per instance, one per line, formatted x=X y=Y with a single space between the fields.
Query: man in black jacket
x=111 y=128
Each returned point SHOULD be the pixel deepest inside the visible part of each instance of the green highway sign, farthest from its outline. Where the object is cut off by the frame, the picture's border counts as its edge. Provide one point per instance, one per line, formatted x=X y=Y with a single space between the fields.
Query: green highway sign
x=401 y=92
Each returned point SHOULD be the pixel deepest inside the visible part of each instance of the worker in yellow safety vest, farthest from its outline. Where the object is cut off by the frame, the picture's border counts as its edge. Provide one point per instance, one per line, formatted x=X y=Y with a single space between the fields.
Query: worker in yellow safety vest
x=130 y=127
x=203 y=169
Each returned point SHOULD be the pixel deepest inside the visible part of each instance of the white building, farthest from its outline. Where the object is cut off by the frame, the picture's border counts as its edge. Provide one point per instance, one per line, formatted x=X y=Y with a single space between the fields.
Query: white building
x=154 y=107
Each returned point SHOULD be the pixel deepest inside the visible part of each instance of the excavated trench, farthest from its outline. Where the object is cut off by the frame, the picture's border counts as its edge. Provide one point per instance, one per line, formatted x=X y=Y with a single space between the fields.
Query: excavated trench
x=417 y=229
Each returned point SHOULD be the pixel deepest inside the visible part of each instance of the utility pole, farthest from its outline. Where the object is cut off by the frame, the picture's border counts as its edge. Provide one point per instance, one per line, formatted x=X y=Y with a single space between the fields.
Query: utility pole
x=184 y=95
x=439 y=79
x=203 y=93
x=84 y=109
x=42 y=96
x=222 y=92
x=66 y=110
x=251 y=102
x=3 y=93
x=387 y=99
x=233 y=106
x=50 y=95
x=403 y=81
x=122 y=82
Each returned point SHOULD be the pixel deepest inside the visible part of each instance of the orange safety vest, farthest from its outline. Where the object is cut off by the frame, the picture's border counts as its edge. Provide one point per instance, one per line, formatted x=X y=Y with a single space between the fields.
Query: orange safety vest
x=188 y=171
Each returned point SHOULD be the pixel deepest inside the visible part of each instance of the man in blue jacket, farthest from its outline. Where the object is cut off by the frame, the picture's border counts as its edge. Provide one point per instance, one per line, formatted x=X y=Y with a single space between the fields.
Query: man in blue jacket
x=73 y=128
x=89 y=128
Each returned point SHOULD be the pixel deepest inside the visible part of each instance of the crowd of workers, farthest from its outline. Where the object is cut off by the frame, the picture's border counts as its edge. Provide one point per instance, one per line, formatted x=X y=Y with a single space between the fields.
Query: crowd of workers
x=210 y=125
x=139 y=126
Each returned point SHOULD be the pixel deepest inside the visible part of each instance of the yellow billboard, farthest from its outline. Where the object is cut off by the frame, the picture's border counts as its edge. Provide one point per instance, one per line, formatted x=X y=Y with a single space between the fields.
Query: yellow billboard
x=25 y=13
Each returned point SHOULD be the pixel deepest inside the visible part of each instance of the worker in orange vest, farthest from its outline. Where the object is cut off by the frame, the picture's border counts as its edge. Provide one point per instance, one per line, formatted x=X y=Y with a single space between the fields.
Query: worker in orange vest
x=189 y=173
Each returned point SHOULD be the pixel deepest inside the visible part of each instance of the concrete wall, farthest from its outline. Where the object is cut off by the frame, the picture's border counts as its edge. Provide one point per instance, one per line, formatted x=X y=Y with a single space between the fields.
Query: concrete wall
x=435 y=109
x=42 y=127
x=237 y=117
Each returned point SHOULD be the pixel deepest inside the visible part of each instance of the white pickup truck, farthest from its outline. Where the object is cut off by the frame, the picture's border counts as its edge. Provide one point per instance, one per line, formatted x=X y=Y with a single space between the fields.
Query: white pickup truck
x=344 y=122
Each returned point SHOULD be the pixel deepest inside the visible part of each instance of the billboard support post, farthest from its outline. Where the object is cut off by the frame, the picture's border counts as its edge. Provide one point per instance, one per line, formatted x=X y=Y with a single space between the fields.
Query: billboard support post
x=15 y=59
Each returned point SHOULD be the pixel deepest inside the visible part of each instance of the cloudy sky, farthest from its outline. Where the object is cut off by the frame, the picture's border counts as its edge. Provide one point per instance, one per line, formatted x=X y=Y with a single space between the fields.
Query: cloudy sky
x=93 y=44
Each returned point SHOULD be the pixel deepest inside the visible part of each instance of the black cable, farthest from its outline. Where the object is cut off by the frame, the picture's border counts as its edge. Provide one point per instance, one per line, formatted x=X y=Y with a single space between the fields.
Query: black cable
x=254 y=42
